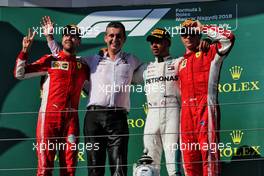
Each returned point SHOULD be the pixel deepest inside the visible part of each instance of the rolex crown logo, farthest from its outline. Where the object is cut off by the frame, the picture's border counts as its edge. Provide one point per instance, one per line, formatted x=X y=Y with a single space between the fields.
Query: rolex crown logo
x=145 y=108
x=236 y=72
x=236 y=136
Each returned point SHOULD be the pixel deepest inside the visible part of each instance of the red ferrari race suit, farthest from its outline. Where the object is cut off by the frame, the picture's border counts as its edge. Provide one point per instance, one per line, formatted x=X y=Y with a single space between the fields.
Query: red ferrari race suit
x=58 y=117
x=199 y=74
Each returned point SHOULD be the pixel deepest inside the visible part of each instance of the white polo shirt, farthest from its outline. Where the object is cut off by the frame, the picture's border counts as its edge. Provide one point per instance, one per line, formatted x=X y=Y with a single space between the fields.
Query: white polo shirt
x=110 y=80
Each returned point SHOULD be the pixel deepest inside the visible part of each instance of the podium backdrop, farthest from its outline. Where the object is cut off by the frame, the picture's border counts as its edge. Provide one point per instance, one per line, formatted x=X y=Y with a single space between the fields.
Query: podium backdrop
x=241 y=91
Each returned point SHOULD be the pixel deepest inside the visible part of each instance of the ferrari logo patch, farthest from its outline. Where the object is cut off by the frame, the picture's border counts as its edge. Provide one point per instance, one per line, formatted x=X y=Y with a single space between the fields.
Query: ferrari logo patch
x=183 y=64
x=79 y=65
x=198 y=54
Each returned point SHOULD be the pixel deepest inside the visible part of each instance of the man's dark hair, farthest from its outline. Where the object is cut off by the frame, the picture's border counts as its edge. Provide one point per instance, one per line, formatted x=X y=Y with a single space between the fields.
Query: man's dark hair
x=117 y=24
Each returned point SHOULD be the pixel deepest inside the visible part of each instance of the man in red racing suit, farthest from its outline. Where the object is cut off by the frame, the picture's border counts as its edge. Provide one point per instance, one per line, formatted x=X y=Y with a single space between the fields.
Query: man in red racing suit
x=58 y=116
x=199 y=74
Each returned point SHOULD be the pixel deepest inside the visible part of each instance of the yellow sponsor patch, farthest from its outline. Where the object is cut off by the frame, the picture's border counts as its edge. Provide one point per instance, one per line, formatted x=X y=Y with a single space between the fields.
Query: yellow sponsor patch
x=55 y=65
x=198 y=54
x=183 y=64
x=62 y=65
x=79 y=65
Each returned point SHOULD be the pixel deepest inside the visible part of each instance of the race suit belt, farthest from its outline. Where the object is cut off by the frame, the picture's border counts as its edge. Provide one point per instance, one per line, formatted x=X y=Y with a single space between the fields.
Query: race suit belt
x=97 y=107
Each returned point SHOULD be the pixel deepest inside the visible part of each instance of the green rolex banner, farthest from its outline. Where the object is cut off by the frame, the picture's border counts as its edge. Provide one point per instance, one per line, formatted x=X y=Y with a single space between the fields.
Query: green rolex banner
x=241 y=91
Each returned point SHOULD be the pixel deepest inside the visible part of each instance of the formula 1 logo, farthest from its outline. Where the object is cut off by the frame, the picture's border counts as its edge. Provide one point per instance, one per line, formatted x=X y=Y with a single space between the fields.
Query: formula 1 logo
x=139 y=22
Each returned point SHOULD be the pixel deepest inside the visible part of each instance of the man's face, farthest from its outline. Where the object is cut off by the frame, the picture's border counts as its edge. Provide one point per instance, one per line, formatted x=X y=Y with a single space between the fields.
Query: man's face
x=159 y=48
x=114 y=38
x=70 y=42
x=190 y=42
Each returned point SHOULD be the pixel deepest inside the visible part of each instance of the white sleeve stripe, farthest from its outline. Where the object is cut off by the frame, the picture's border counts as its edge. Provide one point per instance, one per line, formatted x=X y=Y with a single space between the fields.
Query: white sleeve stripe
x=225 y=42
x=20 y=70
x=30 y=75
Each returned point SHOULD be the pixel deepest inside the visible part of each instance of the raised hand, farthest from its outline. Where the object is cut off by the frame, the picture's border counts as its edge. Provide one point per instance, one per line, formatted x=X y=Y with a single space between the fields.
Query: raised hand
x=27 y=41
x=204 y=45
x=47 y=26
x=199 y=25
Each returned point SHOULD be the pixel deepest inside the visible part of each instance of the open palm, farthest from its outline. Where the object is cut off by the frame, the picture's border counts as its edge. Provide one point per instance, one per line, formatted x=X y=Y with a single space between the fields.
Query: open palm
x=47 y=26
